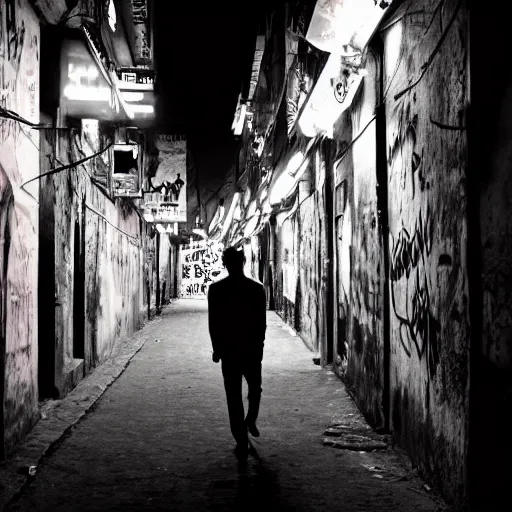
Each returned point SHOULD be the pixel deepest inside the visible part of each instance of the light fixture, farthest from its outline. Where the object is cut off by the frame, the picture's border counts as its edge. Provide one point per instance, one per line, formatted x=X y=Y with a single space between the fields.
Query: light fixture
x=175 y=228
x=148 y=217
x=160 y=228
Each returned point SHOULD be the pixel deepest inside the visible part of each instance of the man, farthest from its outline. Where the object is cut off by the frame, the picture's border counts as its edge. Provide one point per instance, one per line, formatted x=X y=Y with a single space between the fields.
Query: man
x=237 y=323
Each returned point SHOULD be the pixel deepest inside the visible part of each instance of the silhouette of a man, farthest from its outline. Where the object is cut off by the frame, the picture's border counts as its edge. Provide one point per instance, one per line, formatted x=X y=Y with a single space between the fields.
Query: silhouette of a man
x=237 y=324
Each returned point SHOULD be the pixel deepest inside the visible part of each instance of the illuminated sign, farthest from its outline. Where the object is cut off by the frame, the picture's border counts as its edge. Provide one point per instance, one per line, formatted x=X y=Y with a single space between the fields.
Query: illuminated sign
x=85 y=91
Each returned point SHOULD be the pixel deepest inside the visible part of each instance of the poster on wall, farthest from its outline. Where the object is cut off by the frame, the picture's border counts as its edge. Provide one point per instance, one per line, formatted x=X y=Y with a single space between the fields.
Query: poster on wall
x=168 y=201
x=200 y=266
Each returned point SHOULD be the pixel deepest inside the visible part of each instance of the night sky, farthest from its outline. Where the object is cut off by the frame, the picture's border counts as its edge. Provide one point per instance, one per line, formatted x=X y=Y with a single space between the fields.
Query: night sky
x=201 y=54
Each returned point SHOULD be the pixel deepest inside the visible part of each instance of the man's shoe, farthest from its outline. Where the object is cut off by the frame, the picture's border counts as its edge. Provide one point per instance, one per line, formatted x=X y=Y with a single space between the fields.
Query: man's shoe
x=253 y=429
x=242 y=452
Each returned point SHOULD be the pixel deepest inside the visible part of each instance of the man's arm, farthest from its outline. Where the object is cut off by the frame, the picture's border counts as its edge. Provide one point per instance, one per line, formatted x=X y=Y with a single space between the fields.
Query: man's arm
x=262 y=313
x=213 y=323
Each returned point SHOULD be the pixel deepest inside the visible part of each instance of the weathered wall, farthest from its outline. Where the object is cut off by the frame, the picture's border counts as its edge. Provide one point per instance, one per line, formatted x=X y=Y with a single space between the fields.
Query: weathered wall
x=96 y=264
x=285 y=269
x=342 y=210
x=427 y=161
x=309 y=272
x=165 y=272
x=19 y=161
x=365 y=372
x=112 y=275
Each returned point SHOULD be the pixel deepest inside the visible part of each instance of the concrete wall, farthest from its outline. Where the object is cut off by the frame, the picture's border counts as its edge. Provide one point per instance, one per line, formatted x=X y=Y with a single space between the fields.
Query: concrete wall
x=427 y=161
x=365 y=371
x=165 y=272
x=19 y=161
x=91 y=248
x=301 y=267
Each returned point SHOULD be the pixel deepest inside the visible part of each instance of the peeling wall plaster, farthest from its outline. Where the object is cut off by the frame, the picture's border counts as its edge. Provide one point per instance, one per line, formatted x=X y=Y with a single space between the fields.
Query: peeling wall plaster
x=19 y=161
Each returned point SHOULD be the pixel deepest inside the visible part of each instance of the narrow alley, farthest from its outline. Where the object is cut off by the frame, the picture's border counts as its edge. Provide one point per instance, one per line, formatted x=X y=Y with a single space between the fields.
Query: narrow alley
x=158 y=438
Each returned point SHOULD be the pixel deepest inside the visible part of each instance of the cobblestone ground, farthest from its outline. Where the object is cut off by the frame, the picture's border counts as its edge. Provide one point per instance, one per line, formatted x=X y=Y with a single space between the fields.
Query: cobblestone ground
x=158 y=438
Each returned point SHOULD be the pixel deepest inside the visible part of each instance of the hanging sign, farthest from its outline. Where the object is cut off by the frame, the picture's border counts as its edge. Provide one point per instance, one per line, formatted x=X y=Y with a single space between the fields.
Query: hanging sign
x=126 y=171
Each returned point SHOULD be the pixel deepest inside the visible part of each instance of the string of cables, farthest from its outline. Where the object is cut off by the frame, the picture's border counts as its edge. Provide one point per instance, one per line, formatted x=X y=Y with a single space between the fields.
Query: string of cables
x=10 y=114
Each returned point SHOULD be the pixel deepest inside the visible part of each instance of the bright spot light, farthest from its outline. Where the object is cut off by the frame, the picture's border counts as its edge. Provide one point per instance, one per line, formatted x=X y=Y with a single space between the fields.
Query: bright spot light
x=142 y=109
x=132 y=96
x=81 y=93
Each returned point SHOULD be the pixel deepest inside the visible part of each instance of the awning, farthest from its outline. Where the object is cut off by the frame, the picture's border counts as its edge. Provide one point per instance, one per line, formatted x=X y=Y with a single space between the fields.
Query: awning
x=289 y=171
x=337 y=23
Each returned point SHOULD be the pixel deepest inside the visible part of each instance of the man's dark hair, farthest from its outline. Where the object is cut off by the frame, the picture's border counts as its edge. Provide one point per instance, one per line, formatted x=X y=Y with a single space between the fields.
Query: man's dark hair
x=232 y=257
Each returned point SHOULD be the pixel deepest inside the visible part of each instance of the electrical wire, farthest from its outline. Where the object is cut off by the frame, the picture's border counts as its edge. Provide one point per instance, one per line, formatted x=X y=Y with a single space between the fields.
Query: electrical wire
x=429 y=61
x=66 y=167
x=99 y=214
x=10 y=114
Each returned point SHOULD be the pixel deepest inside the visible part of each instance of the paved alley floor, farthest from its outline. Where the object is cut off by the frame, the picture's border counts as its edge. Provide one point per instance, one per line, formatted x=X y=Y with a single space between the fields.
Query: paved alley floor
x=159 y=439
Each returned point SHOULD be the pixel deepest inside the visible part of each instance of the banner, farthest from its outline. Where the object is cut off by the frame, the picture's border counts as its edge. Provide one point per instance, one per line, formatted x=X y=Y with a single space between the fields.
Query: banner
x=168 y=202
x=200 y=266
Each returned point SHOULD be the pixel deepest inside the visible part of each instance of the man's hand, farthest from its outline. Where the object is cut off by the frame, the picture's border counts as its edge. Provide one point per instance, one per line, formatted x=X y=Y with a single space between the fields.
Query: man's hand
x=215 y=358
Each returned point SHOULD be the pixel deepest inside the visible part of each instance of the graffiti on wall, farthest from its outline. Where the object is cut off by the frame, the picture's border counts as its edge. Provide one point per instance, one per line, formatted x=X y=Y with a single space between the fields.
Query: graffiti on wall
x=201 y=265
x=411 y=248
x=418 y=326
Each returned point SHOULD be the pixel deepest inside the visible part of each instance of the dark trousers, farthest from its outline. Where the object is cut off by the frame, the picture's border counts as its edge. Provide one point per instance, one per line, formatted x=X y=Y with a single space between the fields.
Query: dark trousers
x=233 y=371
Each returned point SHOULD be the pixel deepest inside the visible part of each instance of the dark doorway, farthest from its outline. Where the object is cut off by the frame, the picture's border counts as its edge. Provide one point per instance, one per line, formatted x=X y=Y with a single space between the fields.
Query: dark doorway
x=78 y=294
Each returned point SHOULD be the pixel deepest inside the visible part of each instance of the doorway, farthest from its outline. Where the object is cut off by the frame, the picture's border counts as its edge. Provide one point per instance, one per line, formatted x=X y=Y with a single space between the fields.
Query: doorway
x=78 y=293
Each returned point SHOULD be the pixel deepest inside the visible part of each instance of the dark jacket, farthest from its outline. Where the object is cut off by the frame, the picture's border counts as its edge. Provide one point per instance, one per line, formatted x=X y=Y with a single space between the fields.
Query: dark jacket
x=237 y=317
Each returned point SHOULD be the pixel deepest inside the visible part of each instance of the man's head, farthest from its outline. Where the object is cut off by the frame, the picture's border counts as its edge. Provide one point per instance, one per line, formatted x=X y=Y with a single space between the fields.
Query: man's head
x=233 y=260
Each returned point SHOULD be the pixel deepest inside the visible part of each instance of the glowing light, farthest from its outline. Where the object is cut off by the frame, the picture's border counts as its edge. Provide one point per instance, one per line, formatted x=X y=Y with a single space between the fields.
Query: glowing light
x=132 y=96
x=341 y=22
x=160 y=228
x=112 y=16
x=251 y=226
x=229 y=217
x=142 y=109
x=83 y=93
x=289 y=178
x=148 y=217
x=175 y=228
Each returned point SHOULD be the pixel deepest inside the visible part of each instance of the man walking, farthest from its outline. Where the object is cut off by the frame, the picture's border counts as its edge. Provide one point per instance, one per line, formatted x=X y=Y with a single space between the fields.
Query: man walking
x=237 y=324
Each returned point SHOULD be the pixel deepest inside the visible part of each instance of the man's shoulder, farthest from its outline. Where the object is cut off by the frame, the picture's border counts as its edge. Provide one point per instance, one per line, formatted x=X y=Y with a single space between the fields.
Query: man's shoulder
x=253 y=283
x=217 y=285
